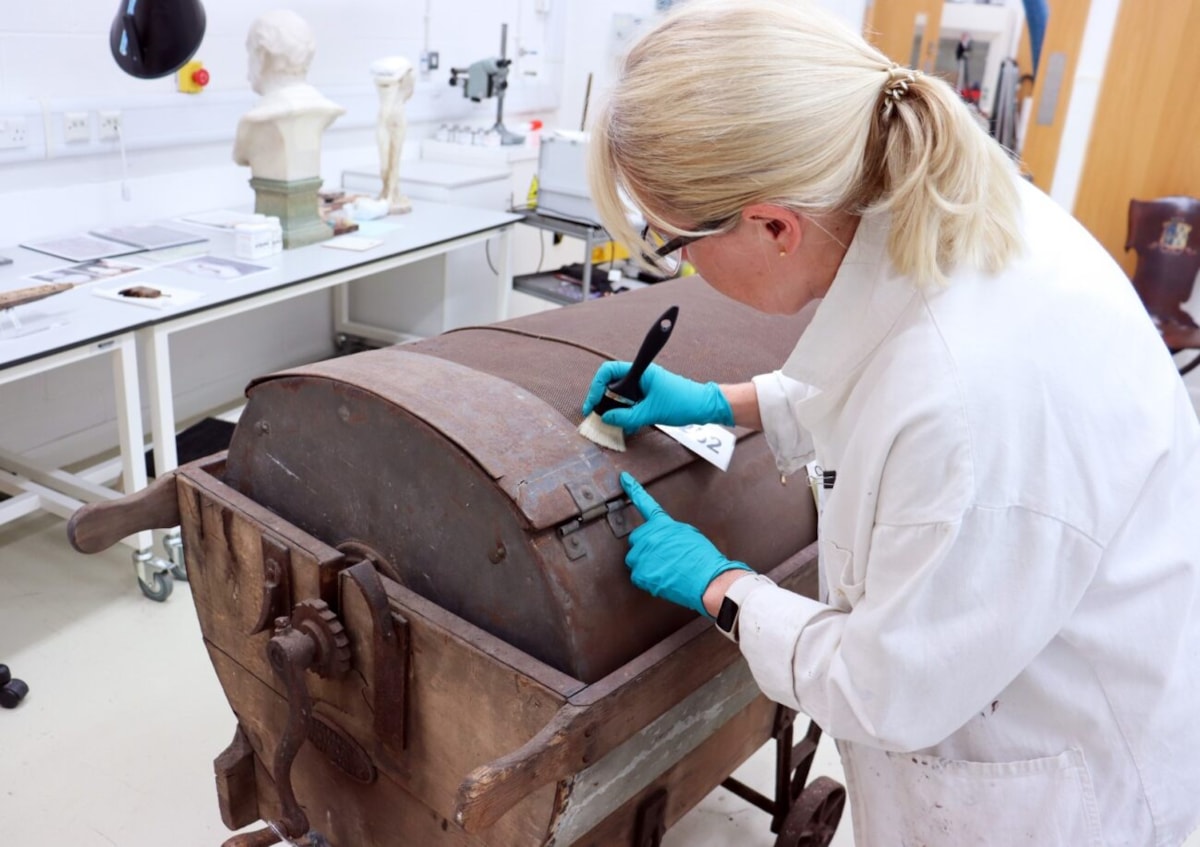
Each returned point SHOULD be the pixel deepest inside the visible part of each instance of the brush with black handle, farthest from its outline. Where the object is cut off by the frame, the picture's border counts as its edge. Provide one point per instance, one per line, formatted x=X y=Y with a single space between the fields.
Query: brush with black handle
x=627 y=390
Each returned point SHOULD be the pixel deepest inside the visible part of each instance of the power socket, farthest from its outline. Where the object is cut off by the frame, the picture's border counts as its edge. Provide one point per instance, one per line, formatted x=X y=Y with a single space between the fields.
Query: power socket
x=110 y=125
x=77 y=127
x=14 y=133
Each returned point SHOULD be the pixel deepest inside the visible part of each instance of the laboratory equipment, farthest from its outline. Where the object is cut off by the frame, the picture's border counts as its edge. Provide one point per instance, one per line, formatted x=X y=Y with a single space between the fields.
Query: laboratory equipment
x=489 y=78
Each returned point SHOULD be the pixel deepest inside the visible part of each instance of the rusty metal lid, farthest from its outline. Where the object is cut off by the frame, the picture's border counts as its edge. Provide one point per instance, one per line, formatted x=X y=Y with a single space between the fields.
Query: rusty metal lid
x=509 y=395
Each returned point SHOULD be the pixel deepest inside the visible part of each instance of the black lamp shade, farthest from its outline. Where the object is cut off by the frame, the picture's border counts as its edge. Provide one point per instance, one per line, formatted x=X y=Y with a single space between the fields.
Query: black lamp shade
x=153 y=38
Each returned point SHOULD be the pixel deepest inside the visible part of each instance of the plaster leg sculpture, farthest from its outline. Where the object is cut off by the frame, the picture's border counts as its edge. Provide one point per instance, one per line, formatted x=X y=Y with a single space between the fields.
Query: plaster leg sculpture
x=280 y=137
x=394 y=80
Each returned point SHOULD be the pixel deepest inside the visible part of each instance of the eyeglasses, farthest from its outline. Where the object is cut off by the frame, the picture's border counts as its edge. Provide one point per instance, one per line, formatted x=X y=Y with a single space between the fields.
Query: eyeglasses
x=668 y=253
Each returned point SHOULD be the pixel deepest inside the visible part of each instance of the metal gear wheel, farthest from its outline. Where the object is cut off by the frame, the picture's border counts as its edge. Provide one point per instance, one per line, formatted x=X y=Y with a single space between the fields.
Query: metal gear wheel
x=315 y=619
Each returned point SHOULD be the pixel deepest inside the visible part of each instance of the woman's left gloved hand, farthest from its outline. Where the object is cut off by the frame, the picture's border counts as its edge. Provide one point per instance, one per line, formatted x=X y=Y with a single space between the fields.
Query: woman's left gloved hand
x=670 y=559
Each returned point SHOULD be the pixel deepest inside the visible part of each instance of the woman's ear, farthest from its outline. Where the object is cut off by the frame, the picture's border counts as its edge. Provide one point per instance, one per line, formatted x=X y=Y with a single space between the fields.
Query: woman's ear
x=782 y=226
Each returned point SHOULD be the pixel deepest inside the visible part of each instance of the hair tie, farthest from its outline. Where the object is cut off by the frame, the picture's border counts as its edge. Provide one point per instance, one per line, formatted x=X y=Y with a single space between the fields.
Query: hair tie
x=896 y=86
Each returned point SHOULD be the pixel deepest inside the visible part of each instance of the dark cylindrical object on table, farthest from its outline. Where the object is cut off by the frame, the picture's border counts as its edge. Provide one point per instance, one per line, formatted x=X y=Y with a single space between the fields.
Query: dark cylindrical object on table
x=13 y=693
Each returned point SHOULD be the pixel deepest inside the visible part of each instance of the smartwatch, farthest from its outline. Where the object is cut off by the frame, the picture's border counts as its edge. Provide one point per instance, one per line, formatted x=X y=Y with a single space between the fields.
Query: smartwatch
x=731 y=606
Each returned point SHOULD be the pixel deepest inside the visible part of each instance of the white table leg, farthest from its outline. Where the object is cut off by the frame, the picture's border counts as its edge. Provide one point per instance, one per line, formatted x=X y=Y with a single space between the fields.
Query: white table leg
x=504 y=272
x=129 y=426
x=341 y=308
x=157 y=346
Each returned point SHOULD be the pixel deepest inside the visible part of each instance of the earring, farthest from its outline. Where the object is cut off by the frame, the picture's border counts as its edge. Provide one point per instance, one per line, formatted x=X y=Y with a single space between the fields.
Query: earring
x=782 y=253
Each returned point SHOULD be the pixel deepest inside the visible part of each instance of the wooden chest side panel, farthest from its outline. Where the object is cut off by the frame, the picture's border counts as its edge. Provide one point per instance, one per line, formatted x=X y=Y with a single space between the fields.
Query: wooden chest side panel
x=466 y=702
x=351 y=814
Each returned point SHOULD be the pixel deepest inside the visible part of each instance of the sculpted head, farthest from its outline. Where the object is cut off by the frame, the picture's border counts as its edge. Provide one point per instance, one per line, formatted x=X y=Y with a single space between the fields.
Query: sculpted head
x=394 y=71
x=281 y=46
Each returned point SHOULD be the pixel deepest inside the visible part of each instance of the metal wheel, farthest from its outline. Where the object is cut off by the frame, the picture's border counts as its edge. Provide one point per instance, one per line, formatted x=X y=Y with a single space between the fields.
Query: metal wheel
x=160 y=587
x=813 y=818
x=173 y=545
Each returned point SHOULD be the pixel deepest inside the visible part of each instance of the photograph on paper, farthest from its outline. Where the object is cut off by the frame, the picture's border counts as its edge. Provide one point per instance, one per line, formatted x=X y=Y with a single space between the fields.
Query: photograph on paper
x=216 y=267
x=86 y=272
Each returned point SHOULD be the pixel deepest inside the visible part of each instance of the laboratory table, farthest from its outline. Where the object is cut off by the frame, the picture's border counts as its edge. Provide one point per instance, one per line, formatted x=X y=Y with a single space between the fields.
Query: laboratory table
x=75 y=325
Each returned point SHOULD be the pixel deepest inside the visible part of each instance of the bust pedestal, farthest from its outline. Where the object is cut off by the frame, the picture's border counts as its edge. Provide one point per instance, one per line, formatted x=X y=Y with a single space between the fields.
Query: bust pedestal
x=296 y=204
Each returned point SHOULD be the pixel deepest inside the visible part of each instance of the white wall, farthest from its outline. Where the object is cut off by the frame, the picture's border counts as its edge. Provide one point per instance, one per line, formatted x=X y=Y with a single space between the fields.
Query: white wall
x=594 y=48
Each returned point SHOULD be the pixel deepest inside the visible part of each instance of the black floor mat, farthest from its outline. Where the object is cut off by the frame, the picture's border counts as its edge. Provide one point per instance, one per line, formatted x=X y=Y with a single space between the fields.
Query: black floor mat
x=209 y=436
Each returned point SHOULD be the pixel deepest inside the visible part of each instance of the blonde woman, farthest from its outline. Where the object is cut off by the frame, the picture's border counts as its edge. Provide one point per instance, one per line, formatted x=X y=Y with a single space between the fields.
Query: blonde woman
x=1008 y=463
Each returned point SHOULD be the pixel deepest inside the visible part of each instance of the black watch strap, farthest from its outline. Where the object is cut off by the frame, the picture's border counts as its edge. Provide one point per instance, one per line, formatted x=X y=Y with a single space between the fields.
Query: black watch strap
x=727 y=617
x=731 y=607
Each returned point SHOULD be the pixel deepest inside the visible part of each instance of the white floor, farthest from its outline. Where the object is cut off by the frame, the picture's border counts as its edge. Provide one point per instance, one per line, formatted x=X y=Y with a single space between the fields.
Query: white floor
x=115 y=742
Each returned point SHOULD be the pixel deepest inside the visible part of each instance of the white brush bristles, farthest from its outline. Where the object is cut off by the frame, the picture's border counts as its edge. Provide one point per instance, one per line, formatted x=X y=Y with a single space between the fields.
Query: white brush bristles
x=606 y=435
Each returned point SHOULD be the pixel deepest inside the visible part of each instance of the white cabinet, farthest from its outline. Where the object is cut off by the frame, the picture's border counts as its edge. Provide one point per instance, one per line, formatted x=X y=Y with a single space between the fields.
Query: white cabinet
x=445 y=292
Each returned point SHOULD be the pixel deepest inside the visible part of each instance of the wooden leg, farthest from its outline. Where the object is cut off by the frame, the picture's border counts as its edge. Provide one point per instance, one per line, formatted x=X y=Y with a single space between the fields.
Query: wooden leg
x=651 y=820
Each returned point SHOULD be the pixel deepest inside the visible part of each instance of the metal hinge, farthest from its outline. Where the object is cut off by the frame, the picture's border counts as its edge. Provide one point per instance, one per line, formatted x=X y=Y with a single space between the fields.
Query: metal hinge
x=614 y=511
x=592 y=507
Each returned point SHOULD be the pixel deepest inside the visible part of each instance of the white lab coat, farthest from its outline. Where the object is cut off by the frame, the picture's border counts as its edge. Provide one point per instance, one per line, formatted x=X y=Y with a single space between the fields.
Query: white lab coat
x=1008 y=650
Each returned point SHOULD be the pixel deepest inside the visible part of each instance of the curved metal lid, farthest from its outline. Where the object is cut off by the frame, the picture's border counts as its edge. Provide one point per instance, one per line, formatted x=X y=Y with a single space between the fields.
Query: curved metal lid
x=509 y=395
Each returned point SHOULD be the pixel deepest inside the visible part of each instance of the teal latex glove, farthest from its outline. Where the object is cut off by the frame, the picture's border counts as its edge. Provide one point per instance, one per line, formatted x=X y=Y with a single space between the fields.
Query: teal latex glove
x=670 y=399
x=670 y=559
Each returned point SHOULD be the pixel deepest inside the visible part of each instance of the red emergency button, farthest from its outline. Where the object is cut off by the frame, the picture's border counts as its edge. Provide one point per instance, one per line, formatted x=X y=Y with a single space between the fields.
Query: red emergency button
x=200 y=77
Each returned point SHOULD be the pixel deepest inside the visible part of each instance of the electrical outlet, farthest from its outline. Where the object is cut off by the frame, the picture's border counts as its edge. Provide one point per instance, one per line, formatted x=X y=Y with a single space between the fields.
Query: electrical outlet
x=77 y=127
x=110 y=125
x=14 y=133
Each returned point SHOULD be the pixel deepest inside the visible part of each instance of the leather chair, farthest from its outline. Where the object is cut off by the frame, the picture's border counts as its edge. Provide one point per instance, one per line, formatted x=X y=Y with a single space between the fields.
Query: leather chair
x=1166 y=235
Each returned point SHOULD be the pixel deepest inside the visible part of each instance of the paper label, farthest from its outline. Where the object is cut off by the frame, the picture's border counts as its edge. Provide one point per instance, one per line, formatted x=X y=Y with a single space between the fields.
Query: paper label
x=711 y=442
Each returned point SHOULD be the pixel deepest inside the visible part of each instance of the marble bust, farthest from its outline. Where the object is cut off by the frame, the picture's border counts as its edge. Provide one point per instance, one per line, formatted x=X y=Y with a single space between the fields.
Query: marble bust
x=280 y=137
x=394 y=80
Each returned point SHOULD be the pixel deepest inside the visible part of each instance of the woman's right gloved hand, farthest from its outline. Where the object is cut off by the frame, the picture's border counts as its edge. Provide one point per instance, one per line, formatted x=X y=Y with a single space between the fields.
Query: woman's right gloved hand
x=669 y=399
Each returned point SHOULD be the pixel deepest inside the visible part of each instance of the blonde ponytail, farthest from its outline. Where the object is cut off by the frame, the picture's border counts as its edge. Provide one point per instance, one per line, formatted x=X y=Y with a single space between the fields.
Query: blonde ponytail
x=948 y=186
x=728 y=103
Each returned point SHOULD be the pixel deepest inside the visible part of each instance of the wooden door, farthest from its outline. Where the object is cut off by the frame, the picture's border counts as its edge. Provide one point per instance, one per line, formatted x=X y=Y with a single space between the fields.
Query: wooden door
x=892 y=27
x=1053 y=87
x=1144 y=138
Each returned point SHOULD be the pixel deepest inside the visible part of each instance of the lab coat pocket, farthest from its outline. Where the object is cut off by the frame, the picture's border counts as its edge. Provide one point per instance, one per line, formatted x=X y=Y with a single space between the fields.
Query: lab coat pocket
x=845 y=586
x=909 y=798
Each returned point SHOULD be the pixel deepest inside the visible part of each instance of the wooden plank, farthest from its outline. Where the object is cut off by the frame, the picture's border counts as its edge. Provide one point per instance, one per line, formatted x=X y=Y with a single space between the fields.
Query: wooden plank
x=98 y=526
x=609 y=784
x=321 y=583
x=695 y=777
x=380 y=814
x=408 y=602
x=466 y=709
x=237 y=797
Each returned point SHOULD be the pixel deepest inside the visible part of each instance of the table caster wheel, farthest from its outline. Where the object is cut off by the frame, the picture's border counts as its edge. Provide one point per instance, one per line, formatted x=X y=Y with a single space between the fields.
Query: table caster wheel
x=160 y=586
x=813 y=818
x=173 y=545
